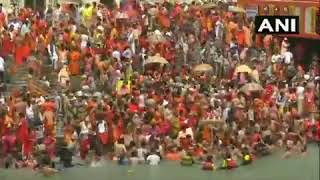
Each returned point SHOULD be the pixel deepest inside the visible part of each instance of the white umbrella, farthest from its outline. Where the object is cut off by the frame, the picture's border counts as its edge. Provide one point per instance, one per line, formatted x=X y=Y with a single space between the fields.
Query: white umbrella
x=157 y=59
x=203 y=68
x=236 y=9
x=251 y=87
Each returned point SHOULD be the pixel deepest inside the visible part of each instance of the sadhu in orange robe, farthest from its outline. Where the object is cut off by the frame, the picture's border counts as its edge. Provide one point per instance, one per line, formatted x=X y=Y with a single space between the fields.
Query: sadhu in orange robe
x=49 y=118
x=74 y=66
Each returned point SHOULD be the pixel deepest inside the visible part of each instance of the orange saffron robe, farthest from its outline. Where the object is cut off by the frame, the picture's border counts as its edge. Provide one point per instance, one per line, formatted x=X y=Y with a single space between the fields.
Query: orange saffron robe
x=74 y=66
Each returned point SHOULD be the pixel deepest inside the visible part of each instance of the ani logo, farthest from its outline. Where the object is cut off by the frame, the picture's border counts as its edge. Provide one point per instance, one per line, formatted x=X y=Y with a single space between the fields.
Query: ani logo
x=277 y=24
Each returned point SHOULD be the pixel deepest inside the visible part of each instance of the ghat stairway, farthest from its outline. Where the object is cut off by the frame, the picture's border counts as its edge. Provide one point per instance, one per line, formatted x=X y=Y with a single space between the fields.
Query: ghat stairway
x=19 y=79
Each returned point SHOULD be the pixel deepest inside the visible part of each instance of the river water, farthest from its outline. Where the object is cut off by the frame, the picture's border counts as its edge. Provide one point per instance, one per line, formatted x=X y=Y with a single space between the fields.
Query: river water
x=268 y=168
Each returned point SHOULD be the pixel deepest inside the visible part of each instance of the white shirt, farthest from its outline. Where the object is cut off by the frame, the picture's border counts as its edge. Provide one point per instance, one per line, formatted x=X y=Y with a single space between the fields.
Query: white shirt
x=102 y=127
x=56 y=14
x=153 y=159
x=300 y=92
x=52 y=51
x=84 y=40
x=84 y=128
x=287 y=57
x=219 y=30
x=275 y=58
x=251 y=114
x=184 y=134
x=2 y=63
x=24 y=29
x=2 y=100
x=29 y=112
x=241 y=133
x=225 y=113
x=141 y=101
x=141 y=152
x=16 y=25
x=73 y=28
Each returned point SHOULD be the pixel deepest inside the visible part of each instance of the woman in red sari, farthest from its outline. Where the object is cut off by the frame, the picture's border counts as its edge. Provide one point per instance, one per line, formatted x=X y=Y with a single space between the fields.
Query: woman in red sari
x=22 y=132
x=26 y=50
x=50 y=145
x=19 y=53
x=84 y=147
x=7 y=45
x=28 y=144
x=8 y=143
x=118 y=129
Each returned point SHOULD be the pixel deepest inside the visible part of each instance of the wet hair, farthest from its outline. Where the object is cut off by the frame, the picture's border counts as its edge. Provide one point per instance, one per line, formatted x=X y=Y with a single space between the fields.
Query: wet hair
x=134 y=154
x=209 y=158
x=143 y=144
x=121 y=141
x=132 y=144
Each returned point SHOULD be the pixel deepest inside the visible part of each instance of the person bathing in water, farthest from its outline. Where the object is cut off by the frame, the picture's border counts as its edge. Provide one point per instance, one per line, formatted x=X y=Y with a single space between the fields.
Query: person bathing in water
x=295 y=145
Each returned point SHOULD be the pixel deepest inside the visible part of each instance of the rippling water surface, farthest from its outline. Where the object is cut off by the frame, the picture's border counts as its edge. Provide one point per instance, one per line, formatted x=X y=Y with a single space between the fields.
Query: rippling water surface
x=269 y=168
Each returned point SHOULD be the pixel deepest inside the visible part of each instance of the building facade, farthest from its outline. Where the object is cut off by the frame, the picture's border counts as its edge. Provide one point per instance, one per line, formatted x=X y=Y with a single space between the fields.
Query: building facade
x=307 y=10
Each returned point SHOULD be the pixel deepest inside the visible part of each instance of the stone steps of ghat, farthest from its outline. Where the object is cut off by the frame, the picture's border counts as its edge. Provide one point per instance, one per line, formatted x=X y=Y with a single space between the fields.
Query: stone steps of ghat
x=20 y=78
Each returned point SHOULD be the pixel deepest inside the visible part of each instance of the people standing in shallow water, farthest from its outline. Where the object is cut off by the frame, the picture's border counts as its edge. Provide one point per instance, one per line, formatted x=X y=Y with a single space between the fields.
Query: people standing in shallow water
x=123 y=159
x=208 y=164
x=158 y=113
x=153 y=159
x=228 y=163
x=246 y=157
x=187 y=160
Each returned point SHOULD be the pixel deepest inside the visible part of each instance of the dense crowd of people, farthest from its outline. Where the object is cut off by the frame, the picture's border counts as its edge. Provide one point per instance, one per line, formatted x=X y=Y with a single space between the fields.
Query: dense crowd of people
x=141 y=82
